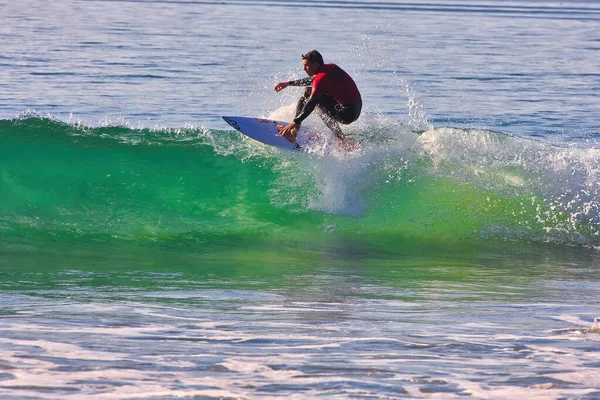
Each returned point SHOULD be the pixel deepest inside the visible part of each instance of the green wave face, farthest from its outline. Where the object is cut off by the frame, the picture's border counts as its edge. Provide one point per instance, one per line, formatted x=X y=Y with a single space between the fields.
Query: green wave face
x=442 y=185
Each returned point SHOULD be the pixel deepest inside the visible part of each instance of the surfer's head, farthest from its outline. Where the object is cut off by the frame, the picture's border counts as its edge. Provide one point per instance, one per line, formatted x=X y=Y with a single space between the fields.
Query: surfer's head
x=312 y=61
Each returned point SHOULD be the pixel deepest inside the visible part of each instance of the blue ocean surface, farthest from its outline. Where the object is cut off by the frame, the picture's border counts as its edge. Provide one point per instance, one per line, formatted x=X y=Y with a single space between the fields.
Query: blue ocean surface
x=149 y=251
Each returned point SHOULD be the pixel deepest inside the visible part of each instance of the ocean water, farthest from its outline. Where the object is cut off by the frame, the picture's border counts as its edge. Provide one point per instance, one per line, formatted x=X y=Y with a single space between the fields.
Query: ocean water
x=147 y=251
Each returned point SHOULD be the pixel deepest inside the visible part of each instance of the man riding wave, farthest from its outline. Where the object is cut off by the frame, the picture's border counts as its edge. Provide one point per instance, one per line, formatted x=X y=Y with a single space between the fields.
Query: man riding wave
x=331 y=92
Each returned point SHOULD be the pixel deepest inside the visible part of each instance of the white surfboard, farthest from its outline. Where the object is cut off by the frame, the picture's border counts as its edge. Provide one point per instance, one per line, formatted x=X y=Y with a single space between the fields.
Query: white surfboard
x=265 y=131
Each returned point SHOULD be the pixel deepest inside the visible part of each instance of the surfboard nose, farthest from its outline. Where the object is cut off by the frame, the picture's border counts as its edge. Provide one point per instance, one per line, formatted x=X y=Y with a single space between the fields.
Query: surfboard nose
x=231 y=122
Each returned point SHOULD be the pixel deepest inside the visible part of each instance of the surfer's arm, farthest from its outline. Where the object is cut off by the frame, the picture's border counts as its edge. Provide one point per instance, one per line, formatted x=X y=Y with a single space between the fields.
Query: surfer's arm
x=308 y=108
x=298 y=82
x=301 y=82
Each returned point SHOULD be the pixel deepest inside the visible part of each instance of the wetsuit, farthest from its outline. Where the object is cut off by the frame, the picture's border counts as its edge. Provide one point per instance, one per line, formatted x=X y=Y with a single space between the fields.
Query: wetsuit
x=333 y=93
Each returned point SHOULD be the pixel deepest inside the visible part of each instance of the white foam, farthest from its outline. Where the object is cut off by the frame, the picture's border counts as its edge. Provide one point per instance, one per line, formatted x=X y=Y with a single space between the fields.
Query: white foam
x=237 y=354
x=562 y=183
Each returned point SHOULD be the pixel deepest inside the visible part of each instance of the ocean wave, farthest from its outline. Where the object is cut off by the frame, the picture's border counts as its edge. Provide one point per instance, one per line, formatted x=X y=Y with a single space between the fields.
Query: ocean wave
x=150 y=184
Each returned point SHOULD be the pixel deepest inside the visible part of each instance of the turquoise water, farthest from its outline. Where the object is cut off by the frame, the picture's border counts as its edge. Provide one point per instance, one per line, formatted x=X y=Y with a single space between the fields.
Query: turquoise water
x=149 y=251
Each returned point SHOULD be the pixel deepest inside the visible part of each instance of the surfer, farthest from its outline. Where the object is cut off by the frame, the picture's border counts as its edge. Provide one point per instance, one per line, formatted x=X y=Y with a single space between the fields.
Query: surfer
x=331 y=91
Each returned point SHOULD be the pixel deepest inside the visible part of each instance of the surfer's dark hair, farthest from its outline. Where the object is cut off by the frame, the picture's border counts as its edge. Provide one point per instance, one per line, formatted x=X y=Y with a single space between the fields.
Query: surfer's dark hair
x=313 y=56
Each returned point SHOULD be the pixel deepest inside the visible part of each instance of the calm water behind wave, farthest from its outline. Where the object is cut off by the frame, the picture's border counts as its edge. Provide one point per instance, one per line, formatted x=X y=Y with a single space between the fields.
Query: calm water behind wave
x=528 y=68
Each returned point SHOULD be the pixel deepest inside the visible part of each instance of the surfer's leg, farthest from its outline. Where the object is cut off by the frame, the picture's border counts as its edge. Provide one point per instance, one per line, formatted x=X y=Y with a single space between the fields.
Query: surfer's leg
x=341 y=139
x=326 y=109
x=332 y=113
x=331 y=124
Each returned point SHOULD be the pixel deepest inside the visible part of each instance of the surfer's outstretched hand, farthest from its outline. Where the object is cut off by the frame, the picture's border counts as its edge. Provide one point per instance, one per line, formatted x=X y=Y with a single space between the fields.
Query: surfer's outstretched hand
x=289 y=131
x=281 y=86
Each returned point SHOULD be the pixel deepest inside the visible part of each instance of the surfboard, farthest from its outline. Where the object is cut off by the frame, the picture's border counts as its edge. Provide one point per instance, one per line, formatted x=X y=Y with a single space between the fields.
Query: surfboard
x=265 y=131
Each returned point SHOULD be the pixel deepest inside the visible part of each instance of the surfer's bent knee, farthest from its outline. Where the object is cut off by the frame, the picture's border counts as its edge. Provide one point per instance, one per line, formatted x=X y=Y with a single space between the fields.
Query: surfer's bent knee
x=347 y=114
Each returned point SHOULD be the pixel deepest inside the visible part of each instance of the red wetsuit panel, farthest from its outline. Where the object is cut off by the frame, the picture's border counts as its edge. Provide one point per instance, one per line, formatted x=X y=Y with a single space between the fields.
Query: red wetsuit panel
x=334 y=81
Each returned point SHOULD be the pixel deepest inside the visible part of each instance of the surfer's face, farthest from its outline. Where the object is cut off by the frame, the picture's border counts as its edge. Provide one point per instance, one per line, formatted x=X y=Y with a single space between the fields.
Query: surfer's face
x=311 y=68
